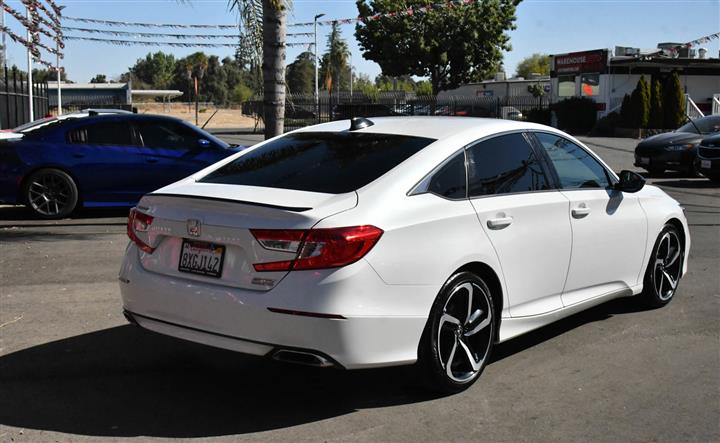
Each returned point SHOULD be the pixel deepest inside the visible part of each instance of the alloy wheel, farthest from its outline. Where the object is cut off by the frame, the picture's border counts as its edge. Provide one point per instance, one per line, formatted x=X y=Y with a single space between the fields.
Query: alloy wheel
x=465 y=332
x=667 y=267
x=49 y=194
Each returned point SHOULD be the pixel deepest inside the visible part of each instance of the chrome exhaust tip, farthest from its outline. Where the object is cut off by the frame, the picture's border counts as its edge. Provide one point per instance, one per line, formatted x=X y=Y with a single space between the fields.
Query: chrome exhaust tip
x=306 y=358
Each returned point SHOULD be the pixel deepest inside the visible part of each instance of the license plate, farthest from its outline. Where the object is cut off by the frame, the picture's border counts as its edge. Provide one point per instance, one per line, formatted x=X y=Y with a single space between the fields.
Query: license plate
x=644 y=160
x=201 y=258
x=705 y=164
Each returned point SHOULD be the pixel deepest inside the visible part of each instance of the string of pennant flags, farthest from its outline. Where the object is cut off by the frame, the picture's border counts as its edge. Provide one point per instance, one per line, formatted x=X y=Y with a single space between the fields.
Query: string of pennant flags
x=40 y=20
x=165 y=35
x=172 y=44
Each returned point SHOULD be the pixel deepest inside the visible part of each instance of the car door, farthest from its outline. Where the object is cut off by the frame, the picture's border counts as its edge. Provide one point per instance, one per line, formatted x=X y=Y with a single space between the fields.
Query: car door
x=609 y=227
x=174 y=151
x=106 y=160
x=524 y=218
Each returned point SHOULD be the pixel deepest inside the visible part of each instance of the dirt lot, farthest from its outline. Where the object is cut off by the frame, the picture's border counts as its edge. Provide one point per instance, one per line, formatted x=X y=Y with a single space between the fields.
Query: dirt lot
x=72 y=369
x=225 y=118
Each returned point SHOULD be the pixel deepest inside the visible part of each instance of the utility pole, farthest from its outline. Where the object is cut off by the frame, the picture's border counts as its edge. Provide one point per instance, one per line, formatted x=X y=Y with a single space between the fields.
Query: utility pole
x=317 y=96
x=59 y=91
x=351 y=79
x=29 y=73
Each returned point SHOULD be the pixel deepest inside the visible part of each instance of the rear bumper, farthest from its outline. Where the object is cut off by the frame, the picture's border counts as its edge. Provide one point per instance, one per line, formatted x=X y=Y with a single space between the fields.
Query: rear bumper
x=377 y=324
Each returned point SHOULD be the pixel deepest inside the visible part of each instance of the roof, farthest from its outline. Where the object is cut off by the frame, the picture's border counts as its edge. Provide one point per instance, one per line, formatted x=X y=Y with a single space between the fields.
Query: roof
x=430 y=127
x=157 y=92
x=66 y=86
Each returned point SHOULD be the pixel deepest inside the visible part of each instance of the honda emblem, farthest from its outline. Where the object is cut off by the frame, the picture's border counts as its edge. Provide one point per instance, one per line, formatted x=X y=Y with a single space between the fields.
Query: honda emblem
x=193 y=227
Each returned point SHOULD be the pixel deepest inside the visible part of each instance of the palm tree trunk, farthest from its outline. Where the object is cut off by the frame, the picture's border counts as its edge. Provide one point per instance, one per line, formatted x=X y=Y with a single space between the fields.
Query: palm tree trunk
x=274 y=34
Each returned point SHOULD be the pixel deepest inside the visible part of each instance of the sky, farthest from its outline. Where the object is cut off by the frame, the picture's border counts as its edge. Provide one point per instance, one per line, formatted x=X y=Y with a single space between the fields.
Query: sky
x=543 y=26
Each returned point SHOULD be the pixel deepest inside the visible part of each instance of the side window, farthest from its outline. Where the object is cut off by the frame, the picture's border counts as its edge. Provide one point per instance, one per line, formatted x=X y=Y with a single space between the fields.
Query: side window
x=167 y=135
x=450 y=180
x=575 y=167
x=106 y=133
x=502 y=165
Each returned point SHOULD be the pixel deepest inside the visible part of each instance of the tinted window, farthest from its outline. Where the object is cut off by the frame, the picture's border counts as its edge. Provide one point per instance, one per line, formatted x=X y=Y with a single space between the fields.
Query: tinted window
x=171 y=135
x=575 y=167
x=106 y=133
x=450 y=181
x=330 y=162
x=503 y=165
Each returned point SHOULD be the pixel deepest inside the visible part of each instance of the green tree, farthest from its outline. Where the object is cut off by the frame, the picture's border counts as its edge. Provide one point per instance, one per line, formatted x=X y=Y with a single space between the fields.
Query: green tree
x=334 y=68
x=99 y=78
x=450 y=46
x=640 y=104
x=534 y=64
x=241 y=93
x=673 y=102
x=45 y=76
x=155 y=71
x=423 y=88
x=656 y=109
x=401 y=83
x=301 y=74
x=364 y=84
x=214 y=86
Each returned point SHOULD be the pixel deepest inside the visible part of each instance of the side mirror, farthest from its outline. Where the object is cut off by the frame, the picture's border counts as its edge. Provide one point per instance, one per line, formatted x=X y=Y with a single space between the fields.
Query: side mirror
x=202 y=143
x=630 y=182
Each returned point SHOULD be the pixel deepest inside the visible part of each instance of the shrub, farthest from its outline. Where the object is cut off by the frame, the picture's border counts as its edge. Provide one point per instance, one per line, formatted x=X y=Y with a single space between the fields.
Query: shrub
x=657 y=118
x=625 y=112
x=673 y=102
x=605 y=127
x=576 y=114
x=640 y=104
x=541 y=116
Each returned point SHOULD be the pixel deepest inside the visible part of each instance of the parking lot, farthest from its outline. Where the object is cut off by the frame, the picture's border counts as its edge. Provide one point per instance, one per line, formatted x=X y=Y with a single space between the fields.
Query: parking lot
x=71 y=368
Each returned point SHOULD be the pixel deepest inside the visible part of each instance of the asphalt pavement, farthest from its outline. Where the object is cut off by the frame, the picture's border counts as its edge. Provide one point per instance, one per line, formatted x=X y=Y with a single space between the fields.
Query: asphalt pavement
x=72 y=369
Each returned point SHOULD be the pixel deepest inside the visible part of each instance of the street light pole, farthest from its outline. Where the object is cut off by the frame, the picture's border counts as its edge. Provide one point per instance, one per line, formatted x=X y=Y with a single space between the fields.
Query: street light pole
x=351 y=79
x=317 y=96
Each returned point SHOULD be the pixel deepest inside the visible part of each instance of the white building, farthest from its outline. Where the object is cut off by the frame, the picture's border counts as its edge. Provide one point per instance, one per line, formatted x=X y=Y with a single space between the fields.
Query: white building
x=605 y=78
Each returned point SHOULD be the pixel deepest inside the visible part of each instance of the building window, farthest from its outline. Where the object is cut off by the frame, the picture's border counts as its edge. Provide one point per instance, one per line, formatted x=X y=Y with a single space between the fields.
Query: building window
x=566 y=86
x=590 y=85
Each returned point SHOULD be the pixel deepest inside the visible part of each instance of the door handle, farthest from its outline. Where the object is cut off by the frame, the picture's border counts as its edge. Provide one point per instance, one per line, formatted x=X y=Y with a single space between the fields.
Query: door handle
x=581 y=211
x=78 y=155
x=151 y=160
x=499 y=223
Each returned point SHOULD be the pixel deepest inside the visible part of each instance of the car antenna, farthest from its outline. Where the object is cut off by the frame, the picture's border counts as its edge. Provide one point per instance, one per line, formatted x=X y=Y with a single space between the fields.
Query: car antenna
x=693 y=123
x=360 y=123
x=208 y=120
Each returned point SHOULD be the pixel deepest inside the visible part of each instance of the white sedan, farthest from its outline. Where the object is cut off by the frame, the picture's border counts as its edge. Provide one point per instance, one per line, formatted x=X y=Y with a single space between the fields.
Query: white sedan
x=395 y=241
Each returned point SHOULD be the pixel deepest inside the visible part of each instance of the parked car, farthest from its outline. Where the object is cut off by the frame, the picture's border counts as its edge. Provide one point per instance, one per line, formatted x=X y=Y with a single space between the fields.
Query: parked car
x=100 y=160
x=511 y=113
x=708 y=157
x=675 y=151
x=346 y=110
x=393 y=241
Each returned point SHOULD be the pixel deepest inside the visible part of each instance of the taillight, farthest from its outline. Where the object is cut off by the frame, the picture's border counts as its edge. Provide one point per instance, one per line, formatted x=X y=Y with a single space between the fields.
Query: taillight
x=317 y=248
x=139 y=222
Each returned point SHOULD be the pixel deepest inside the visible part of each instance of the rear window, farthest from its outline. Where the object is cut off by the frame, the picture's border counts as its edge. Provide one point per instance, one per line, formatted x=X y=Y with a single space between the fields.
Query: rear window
x=328 y=162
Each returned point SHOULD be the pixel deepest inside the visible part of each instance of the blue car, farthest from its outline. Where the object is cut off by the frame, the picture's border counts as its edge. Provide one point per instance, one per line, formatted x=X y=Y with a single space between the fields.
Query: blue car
x=101 y=161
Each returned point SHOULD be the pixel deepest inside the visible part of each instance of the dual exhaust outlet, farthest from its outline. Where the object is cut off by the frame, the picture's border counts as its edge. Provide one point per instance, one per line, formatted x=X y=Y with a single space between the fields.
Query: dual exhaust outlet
x=306 y=358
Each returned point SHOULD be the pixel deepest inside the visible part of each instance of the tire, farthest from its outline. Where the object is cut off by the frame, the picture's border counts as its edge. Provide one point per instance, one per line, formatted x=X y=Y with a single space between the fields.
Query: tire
x=664 y=269
x=459 y=335
x=50 y=193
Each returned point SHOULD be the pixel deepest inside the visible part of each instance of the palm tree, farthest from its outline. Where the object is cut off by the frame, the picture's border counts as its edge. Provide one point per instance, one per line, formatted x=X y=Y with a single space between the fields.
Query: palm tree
x=265 y=22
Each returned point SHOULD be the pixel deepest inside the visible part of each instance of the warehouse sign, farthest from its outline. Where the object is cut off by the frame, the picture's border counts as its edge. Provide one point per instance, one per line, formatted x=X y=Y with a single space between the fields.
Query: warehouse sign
x=577 y=62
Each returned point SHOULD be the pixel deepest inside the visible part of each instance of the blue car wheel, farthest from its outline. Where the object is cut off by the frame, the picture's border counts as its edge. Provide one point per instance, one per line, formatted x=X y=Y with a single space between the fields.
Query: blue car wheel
x=51 y=193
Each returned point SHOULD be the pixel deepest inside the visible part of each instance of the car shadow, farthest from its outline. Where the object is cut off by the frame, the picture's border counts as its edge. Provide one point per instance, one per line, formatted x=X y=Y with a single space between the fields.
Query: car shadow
x=82 y=217
x=124 y=382
x=699 y=183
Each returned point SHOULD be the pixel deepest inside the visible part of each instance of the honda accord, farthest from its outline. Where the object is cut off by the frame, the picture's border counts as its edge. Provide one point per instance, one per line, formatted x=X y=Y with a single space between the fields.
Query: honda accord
x=397 y=241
